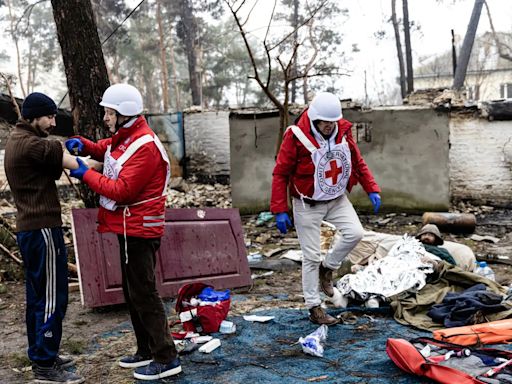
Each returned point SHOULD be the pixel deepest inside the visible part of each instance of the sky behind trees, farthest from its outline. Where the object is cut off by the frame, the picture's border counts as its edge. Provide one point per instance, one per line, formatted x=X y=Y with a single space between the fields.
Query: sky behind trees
x=367 y=44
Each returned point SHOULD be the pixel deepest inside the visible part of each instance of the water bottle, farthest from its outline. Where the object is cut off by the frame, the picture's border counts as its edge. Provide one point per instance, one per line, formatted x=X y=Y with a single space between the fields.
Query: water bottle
x=484 y=270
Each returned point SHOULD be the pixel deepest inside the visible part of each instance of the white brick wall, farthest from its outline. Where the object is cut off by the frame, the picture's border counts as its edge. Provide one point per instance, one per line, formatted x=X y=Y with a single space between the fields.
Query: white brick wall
x=481 y=160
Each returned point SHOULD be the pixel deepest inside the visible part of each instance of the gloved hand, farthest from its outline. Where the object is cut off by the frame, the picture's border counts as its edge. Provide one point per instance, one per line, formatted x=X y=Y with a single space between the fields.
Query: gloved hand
x=375 y=199
x=80 y=171
x=283 y=222
x=74 y=145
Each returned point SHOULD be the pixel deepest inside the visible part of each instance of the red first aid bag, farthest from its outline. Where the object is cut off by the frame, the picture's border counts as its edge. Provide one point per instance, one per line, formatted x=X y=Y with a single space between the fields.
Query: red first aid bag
x=201 y=319
x=449 y=363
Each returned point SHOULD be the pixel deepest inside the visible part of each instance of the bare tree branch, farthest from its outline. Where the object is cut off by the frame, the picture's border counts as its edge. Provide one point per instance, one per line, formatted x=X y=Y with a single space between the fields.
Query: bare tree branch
x=313 y=14
x=270 y=22
x=27 y=11
x=250 y=11
x=9 y=89
x=16 y=45
x=311 y=61
x=264 y=87
x=267 y=50
x=501 y=46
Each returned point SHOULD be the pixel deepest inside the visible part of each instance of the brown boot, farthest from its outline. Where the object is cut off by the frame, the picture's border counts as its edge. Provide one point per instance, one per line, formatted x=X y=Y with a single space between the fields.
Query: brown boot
x=326 y=280
x=317 y=315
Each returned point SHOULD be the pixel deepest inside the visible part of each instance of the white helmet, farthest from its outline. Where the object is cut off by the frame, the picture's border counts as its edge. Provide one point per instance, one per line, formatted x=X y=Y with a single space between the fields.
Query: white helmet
x=123 y=98
x=325 y=106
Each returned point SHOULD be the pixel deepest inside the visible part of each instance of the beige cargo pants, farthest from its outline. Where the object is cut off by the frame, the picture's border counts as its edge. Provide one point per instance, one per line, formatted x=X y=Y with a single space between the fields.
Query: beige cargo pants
x=308 y=219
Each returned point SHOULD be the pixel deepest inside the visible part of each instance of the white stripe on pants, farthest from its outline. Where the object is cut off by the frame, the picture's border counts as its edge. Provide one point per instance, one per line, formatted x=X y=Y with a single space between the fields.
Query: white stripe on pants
x=308 y=220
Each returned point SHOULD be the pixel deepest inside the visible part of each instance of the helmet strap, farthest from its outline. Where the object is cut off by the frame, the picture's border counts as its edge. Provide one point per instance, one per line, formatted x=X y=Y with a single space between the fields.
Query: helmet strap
x=119 y=124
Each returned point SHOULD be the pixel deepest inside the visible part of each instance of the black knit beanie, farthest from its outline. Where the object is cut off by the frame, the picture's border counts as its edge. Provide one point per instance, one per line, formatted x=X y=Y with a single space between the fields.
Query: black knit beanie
x=36 y=105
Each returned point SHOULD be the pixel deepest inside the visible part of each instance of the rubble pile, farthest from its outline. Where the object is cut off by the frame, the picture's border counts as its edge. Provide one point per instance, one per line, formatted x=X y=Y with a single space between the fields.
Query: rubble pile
x=190 y=194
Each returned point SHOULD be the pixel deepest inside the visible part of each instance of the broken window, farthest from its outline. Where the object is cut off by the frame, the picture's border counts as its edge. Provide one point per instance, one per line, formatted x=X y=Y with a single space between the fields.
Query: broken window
x=362 y=132
x=506 y=91
x=473 y=92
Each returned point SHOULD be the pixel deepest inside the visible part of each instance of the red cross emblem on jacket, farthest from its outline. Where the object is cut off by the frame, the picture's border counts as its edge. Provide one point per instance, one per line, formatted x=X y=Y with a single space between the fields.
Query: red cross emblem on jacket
x=333 y=172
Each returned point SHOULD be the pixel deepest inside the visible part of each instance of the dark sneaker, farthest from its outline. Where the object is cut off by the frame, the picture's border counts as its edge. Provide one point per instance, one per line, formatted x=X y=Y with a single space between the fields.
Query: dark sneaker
x=155 y=371
x=326 y=280
x=317 y=315
x=64 y=361
x=135 y=361
x=55 y=374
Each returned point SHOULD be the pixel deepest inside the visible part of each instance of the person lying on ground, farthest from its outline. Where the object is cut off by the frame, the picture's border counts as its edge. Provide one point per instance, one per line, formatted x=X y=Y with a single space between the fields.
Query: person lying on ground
x=431 y=239
x=376 y=245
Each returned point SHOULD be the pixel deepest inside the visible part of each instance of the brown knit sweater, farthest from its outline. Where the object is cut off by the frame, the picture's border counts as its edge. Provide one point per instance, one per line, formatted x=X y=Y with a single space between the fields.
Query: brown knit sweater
x=32 y=164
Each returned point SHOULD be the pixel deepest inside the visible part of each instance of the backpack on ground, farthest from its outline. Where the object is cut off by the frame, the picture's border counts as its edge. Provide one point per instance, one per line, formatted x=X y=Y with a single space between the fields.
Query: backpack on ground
x=201 y=318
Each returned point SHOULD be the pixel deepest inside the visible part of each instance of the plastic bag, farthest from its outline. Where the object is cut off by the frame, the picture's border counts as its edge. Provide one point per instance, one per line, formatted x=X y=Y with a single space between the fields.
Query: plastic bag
x=312 y=343
x=209 y=294
x=263 y=217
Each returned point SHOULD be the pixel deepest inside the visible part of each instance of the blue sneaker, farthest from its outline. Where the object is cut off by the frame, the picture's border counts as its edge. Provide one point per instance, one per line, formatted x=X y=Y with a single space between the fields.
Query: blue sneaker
x=155 y=371
x=135 y=361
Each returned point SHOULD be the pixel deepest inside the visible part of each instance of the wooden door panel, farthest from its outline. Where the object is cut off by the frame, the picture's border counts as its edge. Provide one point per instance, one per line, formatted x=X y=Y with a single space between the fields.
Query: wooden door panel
x=203 y=245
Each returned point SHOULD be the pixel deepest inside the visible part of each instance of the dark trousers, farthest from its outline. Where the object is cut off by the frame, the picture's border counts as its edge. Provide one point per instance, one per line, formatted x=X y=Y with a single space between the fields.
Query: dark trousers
x=144 y=303
x=46 y=279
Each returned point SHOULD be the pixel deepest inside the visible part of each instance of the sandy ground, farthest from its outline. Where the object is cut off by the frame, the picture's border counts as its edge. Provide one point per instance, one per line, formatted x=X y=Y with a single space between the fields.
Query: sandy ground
x=97 y=338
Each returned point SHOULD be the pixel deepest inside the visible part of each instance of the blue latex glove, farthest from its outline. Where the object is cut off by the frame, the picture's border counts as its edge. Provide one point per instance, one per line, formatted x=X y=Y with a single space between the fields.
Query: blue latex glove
x=283 y=222
x=74 y=146
x=80 y=171
x=375 y=199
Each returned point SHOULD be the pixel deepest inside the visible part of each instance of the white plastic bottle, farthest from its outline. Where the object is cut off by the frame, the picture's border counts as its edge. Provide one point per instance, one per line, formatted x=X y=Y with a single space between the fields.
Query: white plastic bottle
x=484 y=270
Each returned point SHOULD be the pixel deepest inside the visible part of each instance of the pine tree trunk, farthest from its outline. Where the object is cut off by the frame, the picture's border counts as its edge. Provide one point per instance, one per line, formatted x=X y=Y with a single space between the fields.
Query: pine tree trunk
x=467 y=45
x=86 y=73
x=398 y=48
x=163 y=60
x=190 y=40
x=295 y=41
x=174 y=71
x=408 y=50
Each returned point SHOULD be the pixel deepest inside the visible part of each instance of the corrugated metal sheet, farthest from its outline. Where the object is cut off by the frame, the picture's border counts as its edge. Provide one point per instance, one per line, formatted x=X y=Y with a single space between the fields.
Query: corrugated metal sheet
x=203 y=245
x=207 y=145
x=169 y=128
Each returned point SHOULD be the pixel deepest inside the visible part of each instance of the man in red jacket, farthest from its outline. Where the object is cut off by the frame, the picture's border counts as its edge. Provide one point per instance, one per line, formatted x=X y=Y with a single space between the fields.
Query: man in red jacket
x=132 y=192
x=319 y=162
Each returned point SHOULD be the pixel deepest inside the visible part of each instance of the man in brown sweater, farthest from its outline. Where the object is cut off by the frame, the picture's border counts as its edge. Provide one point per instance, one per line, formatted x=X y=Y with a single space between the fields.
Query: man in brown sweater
x=32 y=164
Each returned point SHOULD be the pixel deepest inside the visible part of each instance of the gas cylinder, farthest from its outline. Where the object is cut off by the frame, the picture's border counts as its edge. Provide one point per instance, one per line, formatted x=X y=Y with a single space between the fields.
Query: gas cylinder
x=451 y=222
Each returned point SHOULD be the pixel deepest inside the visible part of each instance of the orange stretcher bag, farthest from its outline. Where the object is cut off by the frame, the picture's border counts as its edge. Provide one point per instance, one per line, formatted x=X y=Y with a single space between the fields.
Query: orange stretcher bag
x=449 y=363
x=494 y=332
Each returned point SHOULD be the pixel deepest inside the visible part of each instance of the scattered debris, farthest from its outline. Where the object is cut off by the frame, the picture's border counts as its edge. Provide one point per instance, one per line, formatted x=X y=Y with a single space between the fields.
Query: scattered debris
x=490 y=239
x=292 y=254
x=210 y=346
x=255 y=276
x=264 y=217
x=312 y=343
x=258 y=319
x=254 y=257
x=273 y=251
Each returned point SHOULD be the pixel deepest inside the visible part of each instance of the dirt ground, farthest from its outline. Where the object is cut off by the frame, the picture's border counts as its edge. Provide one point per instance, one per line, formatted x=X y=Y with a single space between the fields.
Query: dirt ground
x=97 y=338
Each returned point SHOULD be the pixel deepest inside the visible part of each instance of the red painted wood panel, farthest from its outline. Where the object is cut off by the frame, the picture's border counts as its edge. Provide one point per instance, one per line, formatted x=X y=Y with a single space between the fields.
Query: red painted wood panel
x=205 y=245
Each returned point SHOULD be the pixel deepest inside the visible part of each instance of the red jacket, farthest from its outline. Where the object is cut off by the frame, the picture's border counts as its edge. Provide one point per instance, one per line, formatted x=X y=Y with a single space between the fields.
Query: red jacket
x=143 y=177
x=294 y=167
